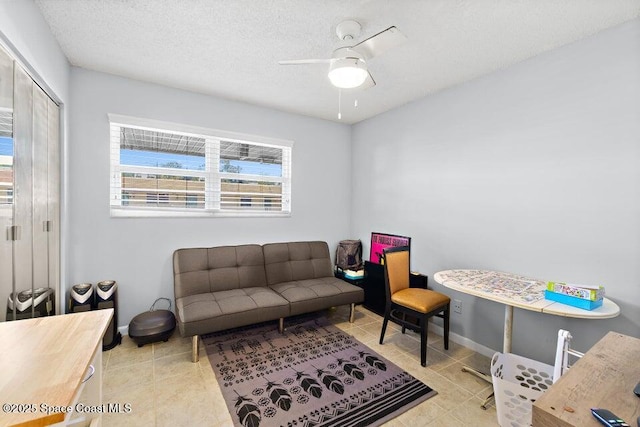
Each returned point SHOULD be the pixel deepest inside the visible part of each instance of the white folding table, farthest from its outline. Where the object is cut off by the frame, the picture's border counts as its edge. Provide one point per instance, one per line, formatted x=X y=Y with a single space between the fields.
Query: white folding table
x=514 y=290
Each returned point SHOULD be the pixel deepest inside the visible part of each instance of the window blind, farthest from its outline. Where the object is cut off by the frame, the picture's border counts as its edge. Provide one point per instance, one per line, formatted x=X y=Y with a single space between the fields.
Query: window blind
x=194 y=171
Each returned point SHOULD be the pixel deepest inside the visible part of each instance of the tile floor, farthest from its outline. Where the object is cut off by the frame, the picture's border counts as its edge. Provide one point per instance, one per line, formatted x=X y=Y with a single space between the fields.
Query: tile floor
x=165 y=389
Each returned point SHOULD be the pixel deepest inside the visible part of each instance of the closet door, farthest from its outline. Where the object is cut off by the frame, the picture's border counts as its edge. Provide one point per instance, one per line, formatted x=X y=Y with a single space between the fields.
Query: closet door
x=23 y=273
x=29 y=193
x=6 y=179
x=40 y=172
x=53 y=198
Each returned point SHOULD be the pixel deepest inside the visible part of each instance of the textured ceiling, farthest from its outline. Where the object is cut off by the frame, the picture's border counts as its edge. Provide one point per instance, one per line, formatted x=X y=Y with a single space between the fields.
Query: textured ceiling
x=231 y=48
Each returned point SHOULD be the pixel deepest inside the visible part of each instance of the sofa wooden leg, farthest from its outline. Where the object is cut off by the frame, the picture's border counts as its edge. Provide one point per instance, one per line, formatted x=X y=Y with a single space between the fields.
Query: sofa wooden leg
x=195 y=351
x=352 y=313
x=281 y=325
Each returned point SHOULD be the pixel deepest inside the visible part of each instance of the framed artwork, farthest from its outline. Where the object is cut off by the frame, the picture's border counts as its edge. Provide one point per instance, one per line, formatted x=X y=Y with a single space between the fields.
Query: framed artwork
x=380 y=241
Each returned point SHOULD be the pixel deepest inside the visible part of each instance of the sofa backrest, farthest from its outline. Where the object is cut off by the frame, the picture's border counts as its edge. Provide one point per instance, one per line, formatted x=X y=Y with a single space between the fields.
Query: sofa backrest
x=202 y=270
x=285 y=262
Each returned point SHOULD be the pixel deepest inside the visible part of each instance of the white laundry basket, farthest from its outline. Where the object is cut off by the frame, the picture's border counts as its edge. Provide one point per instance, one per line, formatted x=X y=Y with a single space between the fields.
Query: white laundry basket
x=517 y=383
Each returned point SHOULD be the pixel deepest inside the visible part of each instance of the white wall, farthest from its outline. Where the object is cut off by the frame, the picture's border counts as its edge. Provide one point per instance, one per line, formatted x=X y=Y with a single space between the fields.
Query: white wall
x=28 y=35
x=534 y=169
x=136 y=252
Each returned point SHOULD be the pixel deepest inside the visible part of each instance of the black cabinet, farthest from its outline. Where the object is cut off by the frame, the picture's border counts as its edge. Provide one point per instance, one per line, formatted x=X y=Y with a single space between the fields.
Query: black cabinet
x=373 y=285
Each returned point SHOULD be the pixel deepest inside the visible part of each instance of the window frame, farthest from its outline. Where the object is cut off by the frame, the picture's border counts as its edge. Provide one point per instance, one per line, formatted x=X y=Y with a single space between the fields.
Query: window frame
x=211 y=174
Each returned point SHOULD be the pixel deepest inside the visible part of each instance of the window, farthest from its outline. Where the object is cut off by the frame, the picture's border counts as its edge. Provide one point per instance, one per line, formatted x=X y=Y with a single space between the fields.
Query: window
x=162 y=169
x=8 y=197
x=6 y=157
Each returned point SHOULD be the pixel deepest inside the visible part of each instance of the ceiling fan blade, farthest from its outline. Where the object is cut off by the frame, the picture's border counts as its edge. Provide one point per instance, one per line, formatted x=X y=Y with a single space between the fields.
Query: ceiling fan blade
x=380 y=43
x=368 y=83
x=304 y=61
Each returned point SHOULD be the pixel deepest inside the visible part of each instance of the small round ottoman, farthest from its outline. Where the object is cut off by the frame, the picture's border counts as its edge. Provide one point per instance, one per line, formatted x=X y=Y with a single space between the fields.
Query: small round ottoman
x=152 y=326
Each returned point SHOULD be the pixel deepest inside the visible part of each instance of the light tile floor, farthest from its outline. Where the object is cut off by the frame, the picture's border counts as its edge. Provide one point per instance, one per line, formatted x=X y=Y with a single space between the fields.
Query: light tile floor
x=164 y=388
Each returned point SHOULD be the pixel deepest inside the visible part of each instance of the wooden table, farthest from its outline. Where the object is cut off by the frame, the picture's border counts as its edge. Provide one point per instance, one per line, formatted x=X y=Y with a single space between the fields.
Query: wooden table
x=603 y=378
x=43 y=361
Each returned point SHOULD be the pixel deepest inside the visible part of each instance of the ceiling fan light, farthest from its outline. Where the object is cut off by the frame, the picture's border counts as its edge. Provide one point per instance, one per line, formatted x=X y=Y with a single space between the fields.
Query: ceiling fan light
x=347 y=73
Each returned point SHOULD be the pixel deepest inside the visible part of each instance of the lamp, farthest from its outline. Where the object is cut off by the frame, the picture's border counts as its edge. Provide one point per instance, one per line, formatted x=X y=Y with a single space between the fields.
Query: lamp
x=347 y=73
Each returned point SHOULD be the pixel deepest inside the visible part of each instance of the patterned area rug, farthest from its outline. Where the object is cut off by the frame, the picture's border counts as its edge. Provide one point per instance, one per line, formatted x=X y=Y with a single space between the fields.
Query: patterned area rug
x=312 y=375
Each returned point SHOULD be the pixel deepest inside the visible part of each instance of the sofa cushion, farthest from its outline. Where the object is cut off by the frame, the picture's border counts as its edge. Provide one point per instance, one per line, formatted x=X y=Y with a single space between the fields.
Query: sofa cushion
x=197 y=307
x=190 y=272
x=230 y=308
x=286 y=262
x=317 y=294
x=201 y=270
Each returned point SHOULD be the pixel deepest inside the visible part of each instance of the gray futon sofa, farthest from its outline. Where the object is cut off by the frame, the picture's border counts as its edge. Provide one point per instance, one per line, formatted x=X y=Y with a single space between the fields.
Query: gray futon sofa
x=230 y=286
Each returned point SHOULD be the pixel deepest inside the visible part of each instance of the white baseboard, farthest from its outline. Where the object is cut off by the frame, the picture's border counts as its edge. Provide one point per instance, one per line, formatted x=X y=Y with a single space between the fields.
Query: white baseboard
x=459 y=339
x=479 y=348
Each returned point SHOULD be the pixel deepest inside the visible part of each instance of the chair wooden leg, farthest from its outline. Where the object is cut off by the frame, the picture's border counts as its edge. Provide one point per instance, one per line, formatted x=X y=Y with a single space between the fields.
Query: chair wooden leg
x=404 y=319
x=446 y=328
x=423 y=341
x=384 y=325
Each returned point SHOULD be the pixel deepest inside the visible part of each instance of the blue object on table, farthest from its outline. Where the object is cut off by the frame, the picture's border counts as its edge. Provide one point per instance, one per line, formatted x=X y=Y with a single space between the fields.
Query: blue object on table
x=573 y=301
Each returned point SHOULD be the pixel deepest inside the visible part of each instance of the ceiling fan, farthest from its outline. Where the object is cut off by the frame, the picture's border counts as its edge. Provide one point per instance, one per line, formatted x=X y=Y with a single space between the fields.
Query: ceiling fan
x=348 y=64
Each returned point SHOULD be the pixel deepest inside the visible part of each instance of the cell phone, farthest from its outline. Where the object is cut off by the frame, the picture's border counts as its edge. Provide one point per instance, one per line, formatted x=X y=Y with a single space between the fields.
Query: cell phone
x=608 y=418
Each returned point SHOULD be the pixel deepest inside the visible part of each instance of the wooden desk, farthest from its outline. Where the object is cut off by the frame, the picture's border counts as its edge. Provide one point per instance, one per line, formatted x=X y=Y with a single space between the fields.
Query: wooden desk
x=43 y=362
x=603 y=378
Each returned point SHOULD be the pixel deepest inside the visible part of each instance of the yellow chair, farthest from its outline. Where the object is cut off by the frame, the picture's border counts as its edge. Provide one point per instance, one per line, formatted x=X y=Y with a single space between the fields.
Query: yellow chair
x=418 y=303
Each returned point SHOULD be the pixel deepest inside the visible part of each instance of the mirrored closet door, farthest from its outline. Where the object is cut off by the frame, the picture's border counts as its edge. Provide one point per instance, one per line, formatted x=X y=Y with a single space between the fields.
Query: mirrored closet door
x=29 y=195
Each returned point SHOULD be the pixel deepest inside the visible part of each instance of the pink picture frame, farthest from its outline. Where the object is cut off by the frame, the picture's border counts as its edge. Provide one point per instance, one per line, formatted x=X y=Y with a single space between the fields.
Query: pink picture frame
x=381 y=241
